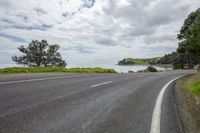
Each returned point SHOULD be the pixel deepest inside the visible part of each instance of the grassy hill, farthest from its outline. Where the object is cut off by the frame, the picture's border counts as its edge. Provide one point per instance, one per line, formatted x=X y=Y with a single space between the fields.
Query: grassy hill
x=137 y=61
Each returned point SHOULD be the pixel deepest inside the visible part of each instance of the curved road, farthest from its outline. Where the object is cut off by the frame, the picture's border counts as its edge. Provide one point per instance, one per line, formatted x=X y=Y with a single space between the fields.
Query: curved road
x=86 y=103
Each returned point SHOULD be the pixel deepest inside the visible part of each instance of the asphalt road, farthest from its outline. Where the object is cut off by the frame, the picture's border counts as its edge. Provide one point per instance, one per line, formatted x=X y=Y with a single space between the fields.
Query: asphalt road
x=86 y=103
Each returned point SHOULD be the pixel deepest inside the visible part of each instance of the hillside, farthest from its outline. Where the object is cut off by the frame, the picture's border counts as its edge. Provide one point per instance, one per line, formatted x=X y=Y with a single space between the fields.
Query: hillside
x=137 y=61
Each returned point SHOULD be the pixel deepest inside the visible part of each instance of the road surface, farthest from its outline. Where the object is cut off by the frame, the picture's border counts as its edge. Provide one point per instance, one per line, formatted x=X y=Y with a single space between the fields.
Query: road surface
x=86 y=103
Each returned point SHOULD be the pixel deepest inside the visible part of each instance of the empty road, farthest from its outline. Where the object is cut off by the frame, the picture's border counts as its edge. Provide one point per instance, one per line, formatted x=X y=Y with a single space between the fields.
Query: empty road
x=87 y=103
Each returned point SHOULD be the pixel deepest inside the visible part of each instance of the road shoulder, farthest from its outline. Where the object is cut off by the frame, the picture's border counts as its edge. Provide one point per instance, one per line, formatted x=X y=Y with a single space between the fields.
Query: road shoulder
x=187 y=107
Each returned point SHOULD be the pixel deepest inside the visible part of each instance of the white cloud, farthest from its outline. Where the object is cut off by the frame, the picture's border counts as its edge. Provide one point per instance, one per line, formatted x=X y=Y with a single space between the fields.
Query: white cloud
x=94 y=32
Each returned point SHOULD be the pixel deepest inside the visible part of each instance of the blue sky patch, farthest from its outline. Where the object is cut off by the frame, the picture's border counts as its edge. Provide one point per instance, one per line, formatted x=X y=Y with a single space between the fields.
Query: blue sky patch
x=83 y=50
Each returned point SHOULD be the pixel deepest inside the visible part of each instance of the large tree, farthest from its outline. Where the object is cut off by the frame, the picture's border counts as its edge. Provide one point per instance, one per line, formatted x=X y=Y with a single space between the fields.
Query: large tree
x=189 y=35
x=40 y=54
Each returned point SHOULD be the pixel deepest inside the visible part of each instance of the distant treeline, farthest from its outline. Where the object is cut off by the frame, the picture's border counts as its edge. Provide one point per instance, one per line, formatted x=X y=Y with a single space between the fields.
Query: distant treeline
x=177 y=60
x=137 y=61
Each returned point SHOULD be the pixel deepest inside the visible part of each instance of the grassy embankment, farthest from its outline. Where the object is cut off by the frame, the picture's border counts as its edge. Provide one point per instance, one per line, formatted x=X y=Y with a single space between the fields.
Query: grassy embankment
x=192 y=84
x=54 y=69
x=188 y=97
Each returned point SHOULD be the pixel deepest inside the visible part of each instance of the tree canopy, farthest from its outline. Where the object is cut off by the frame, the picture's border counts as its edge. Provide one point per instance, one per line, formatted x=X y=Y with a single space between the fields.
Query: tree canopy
x=189 y=35
x=40 y=54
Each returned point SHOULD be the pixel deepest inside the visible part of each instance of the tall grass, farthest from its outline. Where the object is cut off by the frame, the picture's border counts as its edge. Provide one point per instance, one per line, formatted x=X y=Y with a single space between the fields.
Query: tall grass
x=54 y=69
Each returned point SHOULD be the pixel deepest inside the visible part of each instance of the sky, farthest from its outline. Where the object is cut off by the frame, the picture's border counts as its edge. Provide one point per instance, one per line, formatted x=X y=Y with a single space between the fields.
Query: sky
x=93 y=32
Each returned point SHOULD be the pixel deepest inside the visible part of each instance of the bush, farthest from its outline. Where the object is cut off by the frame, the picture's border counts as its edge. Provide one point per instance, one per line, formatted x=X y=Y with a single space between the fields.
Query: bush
x=151 y=69
x=130 y=71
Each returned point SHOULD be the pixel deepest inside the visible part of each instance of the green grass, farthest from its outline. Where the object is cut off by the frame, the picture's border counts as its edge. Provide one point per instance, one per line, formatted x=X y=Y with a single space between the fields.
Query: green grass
x=195 y=88
x=54 y=69
x=138 y=61
x=193 y=84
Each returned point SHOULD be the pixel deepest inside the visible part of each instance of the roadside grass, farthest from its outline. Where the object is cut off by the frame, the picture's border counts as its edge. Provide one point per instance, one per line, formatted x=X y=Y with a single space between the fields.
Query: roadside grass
x=193 y=84
x=188 y=95
x=12 y=70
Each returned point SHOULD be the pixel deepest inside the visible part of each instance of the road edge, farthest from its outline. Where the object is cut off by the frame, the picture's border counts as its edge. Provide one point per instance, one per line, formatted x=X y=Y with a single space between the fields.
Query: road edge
x=156 y=116
x=182 y=100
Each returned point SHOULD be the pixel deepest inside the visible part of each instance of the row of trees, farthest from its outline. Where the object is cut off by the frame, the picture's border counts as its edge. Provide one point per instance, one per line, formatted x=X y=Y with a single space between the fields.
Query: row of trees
x=188 y=51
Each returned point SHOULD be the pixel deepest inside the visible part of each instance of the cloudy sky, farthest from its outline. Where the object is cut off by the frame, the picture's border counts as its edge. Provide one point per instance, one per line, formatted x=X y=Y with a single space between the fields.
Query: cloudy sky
x=93 y=32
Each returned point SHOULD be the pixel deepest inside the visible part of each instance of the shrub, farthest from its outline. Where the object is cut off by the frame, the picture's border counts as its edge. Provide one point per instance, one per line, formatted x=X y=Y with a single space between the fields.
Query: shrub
x=151 y=69
x=130 y=71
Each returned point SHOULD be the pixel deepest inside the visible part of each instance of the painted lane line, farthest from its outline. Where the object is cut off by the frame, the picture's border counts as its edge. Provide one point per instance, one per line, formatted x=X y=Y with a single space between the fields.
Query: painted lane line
x=40 y=79
x=156 y=117
x=101 y=84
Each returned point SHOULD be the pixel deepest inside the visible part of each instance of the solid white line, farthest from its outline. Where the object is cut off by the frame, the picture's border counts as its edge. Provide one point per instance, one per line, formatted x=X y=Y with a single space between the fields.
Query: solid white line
x=40 y=79
x=156 y=117
x=100 y=84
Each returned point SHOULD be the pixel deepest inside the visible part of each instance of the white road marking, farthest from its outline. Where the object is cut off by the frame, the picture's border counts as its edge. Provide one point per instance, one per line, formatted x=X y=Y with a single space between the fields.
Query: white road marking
x=40 y=79
x=156 y=117
x=101 y=84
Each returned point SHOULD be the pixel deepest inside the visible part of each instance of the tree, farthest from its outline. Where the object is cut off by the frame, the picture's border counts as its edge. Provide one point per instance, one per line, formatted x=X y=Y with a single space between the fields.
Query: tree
x=193 y=42
x=40 y=54
x=189 y=35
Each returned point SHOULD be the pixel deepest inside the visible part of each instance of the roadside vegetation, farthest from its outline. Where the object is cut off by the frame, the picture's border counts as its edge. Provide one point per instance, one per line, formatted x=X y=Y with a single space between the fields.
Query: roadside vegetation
x=187 y=95
x=54 y=69
x=192 y=84
x=41 y=57
x=188 y=88
x=149 y=69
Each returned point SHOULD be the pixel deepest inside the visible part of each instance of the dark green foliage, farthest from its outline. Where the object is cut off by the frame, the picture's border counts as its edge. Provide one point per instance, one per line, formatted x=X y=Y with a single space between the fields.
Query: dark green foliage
x=126 y=62
x=188 y=51
x=130 y=71
x=39 y=54
x=166 y=59
x=189 y=35
x=183 y=60
x=149 y=69
x=179 y=60
x=186 y=29
x=193 y=42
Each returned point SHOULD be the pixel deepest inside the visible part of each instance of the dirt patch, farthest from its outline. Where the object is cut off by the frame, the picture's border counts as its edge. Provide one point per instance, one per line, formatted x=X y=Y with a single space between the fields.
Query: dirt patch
x=188 y=107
